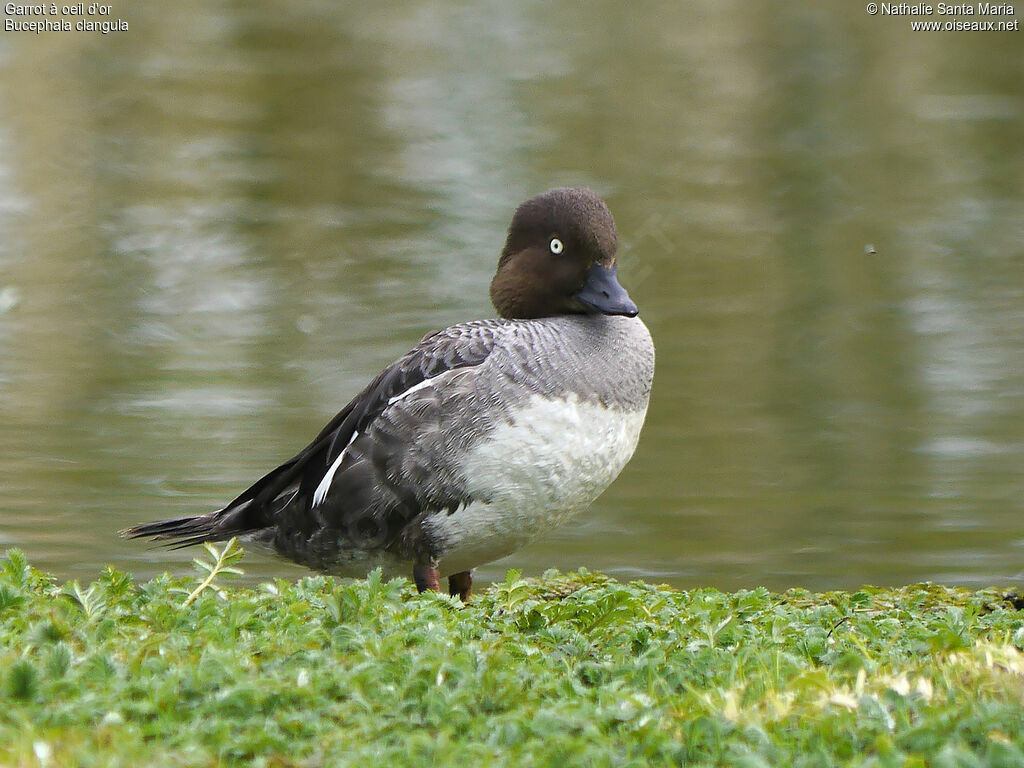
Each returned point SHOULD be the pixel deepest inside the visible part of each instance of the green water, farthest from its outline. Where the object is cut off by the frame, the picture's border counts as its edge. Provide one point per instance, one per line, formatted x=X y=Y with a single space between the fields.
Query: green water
x=217 y=225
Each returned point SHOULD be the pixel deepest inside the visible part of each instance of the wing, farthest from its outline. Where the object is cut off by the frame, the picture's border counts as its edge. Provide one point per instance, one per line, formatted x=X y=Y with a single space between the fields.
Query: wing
x=306 y=477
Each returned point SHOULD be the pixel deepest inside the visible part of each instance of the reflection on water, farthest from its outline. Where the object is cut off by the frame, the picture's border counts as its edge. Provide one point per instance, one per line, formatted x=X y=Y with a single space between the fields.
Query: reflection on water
x=215 y=227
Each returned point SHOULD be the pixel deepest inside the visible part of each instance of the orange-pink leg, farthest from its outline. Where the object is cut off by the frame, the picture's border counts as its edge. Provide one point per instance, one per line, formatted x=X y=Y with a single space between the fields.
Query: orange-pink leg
x=461 y=584
x=427 y=577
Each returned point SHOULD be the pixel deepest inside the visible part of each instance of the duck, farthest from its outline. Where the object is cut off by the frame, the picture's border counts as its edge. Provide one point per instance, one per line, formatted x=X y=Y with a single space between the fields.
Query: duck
x=483 y=437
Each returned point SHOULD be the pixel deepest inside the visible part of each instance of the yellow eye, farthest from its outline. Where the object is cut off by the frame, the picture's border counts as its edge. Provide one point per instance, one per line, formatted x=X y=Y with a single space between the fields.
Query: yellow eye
x=556 y=246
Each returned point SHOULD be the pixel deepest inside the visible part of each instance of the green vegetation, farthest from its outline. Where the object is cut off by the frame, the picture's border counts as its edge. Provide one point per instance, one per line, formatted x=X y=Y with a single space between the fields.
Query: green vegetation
x=571 y=669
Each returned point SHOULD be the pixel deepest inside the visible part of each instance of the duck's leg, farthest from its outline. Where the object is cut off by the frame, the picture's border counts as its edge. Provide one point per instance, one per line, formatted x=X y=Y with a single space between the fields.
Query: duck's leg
x=427 y=577
x=461 y=584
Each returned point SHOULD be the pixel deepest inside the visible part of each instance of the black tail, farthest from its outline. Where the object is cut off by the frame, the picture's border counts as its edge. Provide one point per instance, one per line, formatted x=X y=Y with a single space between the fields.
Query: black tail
x=186 y=531
x=254 y=510
x=178 y=533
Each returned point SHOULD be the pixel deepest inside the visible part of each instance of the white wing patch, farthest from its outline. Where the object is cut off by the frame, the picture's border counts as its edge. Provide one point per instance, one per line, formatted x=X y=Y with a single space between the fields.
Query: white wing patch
x=321 y=490
x=410 y=390
x=325 y=485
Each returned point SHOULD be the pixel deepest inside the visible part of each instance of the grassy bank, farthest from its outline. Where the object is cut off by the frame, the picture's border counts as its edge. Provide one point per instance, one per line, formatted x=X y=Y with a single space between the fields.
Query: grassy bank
x=571 y=669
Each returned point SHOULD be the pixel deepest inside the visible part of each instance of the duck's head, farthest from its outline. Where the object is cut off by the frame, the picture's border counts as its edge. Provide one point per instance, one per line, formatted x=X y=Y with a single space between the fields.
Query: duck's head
x=559 y=258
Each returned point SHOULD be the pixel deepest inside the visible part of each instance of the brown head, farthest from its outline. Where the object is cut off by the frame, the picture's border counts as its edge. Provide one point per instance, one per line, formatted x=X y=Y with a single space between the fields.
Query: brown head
x=559 y=258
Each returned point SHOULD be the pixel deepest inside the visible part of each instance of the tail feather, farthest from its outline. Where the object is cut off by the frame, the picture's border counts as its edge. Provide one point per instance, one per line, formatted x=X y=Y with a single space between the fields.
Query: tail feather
x=253 y=511
x=177 y=533
x=185 y=531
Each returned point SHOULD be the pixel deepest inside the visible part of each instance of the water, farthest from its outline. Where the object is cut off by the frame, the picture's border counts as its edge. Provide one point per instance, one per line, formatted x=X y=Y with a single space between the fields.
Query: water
x=217 y=226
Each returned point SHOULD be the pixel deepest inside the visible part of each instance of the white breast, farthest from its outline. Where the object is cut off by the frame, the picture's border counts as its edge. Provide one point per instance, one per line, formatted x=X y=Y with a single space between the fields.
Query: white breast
x=547 y=463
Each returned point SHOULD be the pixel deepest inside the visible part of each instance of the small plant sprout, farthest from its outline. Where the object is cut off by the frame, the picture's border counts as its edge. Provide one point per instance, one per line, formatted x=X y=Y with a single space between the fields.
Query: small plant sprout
x=89 y=600
x=224 y=560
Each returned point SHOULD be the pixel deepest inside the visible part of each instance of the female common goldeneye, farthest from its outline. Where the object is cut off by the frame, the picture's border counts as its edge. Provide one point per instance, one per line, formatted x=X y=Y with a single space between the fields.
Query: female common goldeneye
x=485 y=435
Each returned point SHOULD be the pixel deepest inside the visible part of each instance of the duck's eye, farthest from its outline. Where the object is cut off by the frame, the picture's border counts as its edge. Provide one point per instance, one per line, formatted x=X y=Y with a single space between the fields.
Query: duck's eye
x=556 y=246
